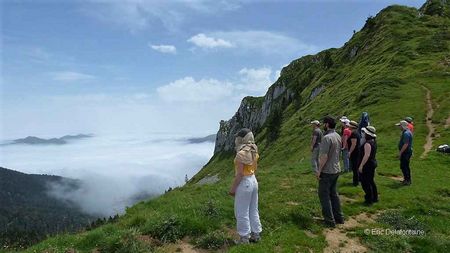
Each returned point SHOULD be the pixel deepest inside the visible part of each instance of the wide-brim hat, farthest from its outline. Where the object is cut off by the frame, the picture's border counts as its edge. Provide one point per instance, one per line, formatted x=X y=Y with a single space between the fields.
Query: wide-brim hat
x=343 y=118
x=353 y=124
x=402 y=123
x=315 y=122
x=370 y=130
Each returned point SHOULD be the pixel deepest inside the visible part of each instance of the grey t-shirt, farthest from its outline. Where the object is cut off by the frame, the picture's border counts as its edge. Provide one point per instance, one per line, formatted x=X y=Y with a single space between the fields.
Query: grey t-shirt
x=331 y=146
x=318 y=133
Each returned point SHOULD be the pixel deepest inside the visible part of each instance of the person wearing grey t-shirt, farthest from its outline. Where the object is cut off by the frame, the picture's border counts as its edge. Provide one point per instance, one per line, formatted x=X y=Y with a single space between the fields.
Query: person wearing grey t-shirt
x=328 y=174
x=315 y=142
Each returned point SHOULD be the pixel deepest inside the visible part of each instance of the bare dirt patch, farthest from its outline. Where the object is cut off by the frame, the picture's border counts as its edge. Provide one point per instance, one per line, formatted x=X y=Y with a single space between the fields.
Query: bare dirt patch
x=338 y=239
x=429 y=139
x=292 y=203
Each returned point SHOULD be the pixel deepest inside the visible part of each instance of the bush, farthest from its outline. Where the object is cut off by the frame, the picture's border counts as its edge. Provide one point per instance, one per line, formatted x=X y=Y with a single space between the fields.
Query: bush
x=210 y=209
x=127 y=242
x=166 y=230
x=214 y=240
x=398 y=221
x=274 y=124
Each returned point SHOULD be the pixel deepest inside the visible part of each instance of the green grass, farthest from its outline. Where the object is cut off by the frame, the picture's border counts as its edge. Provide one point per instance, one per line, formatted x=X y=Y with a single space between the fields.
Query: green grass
x=386 y=78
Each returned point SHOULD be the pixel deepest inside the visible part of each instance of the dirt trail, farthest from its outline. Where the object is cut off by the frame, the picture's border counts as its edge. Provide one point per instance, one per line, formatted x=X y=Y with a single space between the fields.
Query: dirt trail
x=429 y=139
x=338 y=239
x=447 y=122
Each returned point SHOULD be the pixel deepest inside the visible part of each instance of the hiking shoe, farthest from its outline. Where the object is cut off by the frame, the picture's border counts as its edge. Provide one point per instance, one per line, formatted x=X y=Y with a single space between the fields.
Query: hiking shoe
x=242 y=240
x=255 y=237
x=329 y=224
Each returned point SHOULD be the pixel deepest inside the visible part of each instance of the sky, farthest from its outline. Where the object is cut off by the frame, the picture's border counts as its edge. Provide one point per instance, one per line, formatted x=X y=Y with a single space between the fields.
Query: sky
x=136 y=66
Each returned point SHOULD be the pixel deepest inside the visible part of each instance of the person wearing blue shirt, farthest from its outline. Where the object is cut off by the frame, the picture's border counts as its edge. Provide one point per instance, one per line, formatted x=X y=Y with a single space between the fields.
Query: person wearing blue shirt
x=405 y=151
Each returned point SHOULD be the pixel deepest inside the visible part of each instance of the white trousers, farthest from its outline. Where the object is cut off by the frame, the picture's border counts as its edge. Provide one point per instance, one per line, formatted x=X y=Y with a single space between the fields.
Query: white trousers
x=246 y=206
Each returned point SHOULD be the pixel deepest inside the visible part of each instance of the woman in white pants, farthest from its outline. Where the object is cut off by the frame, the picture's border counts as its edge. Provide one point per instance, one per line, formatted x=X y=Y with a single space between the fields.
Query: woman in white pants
x=245 y=187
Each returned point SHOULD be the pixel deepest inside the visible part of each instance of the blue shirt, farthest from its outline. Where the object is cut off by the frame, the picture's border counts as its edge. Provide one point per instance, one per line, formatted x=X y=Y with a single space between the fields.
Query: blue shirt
x=406 y=138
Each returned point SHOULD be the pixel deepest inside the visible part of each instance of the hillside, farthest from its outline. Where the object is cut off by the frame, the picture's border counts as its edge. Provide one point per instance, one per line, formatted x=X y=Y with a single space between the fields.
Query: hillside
x=28 y=213
x=397 y=65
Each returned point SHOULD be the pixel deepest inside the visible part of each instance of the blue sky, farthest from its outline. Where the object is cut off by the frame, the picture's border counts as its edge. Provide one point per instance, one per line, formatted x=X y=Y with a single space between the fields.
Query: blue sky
x=143 y=66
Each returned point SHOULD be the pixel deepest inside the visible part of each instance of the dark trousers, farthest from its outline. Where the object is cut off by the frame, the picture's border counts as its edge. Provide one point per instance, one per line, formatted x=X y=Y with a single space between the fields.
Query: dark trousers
x=368 y=183
x=354 y=167
x=404 y=165
x=329 y=199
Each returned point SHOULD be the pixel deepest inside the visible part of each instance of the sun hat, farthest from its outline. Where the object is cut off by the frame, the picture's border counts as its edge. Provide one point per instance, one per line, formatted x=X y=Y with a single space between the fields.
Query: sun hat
x=315 y=122
x=370 y=130
x=409 y=119
x=353 y=124
x=402 y=123
x=343 y=119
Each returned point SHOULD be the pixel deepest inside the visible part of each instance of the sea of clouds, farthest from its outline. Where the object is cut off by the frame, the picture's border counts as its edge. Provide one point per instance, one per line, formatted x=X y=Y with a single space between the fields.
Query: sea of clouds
x=113 y=171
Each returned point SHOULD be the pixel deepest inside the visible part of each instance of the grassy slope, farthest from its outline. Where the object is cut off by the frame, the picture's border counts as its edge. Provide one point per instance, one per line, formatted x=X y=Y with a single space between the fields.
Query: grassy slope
x=399 y=56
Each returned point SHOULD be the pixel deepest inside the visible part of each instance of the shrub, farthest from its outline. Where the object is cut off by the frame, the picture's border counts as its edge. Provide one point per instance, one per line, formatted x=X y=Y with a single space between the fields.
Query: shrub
x=166 y=230
x=398 y=221
x=214 y=240
x=274 y=124
x=210 y=209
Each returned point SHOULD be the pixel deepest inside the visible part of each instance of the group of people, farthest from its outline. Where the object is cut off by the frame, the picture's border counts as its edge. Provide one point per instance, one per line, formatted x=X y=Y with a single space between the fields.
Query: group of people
x=358 y=146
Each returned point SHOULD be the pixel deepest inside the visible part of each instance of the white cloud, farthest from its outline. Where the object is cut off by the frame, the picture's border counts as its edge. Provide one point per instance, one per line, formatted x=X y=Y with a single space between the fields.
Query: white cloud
x=189 y=90
x=248 y=81
x=138 y=15
x=255 y=81
x=203 y=41
x=166 y=49
x=70 y=76
x=264 y=42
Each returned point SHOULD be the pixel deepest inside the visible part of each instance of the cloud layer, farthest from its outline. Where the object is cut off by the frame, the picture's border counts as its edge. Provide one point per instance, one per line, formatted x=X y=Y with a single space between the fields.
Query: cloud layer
x=203 y=41
x=165 y=49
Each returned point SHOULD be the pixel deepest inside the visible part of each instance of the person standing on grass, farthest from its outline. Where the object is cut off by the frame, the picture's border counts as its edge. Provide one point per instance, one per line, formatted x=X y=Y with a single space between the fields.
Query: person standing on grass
x=328 y=174
x=346 y=133
x=353 y=142
x=315 y=142
x=410 y=124
x=405 y=151
x=368 y=165
x=245 y=188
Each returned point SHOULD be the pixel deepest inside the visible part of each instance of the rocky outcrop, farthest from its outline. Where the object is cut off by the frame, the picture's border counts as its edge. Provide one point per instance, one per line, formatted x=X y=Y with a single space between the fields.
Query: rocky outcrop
x=252 y=114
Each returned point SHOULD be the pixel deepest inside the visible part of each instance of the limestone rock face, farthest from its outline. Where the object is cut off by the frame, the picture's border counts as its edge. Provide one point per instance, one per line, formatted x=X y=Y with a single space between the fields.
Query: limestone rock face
x=252 y=114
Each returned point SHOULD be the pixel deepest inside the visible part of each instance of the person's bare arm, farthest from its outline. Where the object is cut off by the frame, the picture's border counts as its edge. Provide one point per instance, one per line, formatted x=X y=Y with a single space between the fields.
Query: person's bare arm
x=237 y=179
x=322 y=161
x=367 y=150
x=344 y=141
x=403 y=149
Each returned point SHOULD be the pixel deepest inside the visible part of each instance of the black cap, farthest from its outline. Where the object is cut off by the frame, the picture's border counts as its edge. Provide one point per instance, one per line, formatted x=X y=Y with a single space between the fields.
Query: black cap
x=243 y=132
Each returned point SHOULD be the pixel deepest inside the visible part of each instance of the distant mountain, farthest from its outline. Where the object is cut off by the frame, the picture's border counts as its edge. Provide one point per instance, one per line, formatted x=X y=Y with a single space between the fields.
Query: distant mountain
x=32 y=140
x=209 y=138
x=28 y=213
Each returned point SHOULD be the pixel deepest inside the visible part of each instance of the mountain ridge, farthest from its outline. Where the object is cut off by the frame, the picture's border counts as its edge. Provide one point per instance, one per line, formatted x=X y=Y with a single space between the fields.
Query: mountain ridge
x=382 y=69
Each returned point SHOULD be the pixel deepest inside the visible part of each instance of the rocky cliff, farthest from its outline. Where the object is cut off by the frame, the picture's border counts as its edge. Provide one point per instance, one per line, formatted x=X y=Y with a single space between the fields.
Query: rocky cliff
x=253 y=112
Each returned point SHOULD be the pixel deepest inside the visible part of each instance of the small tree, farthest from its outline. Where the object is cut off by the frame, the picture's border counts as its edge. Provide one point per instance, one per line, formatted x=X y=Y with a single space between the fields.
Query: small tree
x=274 y=124
x=327 y=60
